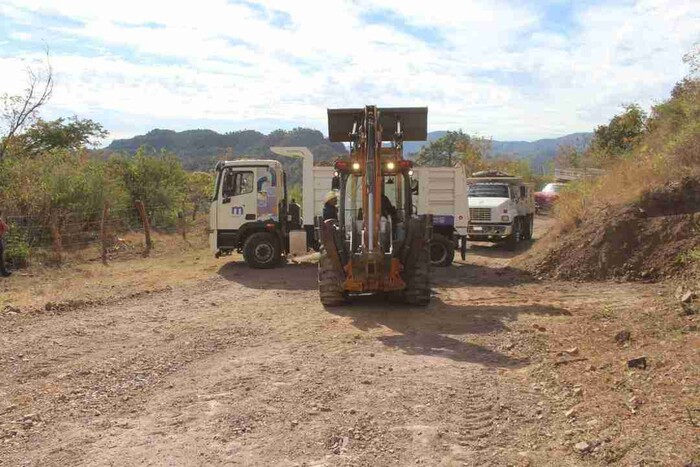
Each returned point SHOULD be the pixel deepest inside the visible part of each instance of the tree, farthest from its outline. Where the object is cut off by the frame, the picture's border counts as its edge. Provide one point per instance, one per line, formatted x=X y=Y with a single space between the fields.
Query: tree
x=455 y=146
x=621 y=134
x=19 y=111
x=158 y=180
x=70 y=134
x=441 y=152
x=568 y=157
x=199 y=190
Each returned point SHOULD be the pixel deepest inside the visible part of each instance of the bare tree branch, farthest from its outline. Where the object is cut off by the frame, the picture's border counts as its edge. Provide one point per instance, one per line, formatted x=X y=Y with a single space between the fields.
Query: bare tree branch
x=20 y=110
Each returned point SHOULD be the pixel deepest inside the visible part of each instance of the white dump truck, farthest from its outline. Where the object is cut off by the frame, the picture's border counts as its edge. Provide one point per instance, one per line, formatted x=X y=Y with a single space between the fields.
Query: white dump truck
x=251 y=212
x=501 y=208
x=442 y=192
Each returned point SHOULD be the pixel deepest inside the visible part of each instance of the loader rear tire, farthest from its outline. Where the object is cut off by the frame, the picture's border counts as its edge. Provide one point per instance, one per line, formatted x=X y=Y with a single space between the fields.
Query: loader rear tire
x=330 y=287
x=417 y=275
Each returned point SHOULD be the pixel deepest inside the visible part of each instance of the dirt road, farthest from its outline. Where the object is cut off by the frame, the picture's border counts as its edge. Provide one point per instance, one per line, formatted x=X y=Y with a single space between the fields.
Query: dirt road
x=246 y=368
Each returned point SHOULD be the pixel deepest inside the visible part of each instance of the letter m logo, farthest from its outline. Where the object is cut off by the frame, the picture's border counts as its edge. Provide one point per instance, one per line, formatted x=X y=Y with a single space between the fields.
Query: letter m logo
x=237 y=210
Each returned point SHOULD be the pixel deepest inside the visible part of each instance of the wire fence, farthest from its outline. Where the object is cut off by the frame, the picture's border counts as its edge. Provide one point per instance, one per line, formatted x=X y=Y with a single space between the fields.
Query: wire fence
x=49 y=236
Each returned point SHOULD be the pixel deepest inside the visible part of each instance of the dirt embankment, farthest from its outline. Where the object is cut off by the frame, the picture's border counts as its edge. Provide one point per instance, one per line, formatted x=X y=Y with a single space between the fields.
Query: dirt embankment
x=657 y=237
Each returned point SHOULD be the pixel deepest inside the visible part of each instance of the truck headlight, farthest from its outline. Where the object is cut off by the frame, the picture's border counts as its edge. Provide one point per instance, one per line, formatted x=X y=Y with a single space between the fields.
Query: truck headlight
x=505 y=218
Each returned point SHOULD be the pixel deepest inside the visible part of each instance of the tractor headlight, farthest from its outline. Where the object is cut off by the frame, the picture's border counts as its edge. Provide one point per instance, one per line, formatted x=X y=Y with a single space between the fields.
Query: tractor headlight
x=410 y=173
x=355 y=166
x=390 y=165
x=505 y=218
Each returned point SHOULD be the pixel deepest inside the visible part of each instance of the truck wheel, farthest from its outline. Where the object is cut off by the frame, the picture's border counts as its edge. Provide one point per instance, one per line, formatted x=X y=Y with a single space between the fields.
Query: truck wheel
x=417 y=272
x=329 y=284
x=262 y=251
x=529 y=227
x=516 y=236
x=442 y=251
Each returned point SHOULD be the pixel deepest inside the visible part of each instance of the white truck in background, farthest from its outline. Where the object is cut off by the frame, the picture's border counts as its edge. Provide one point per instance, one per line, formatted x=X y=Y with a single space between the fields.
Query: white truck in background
x=252 y=214
x=442 y=192
x=501 y=209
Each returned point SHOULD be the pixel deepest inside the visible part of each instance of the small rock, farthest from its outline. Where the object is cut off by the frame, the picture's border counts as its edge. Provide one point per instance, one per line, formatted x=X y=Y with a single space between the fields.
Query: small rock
x=572 y=351
x=582 y=447
x=352 y=411
x=623 y=336
x=366 y=381
x=639 y=362
x=687 y=297
x=570 y=413
x=578 y=391
x=687 y=309
x=294 y=423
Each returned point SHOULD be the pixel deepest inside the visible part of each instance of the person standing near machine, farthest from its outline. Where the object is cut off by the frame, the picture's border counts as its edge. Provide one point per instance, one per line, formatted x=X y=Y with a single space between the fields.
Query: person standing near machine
x=330 y=207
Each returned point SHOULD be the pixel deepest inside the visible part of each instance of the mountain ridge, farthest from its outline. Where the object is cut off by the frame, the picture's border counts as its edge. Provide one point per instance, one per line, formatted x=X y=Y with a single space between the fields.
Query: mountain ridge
x=200 y=148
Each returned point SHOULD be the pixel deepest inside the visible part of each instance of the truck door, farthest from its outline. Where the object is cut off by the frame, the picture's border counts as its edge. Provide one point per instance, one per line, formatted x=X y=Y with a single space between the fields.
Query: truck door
x=237 y=199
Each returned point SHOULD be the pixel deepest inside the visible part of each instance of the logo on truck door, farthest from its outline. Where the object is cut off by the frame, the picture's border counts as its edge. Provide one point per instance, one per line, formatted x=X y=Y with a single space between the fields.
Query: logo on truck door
x=237 y=210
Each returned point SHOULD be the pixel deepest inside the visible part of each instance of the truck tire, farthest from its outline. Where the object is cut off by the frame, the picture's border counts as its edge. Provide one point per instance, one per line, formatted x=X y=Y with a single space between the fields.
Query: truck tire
x=262 y=251
x=330 y=288
x=417 y=275
x=516 y=236
x=529 y=227
x=442 y=251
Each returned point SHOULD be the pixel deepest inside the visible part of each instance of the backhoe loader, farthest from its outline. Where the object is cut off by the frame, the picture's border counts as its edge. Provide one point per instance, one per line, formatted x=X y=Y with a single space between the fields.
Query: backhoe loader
x=378 y=244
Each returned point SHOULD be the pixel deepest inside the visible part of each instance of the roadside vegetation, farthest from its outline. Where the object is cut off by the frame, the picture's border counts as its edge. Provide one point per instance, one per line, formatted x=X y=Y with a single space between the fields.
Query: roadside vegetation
x=474 y=153
x=638 y=151
x=55 y=189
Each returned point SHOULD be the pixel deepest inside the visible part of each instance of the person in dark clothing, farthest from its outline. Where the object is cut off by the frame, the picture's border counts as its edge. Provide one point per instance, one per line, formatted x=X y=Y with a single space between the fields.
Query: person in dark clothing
x=3 y=231
x=295 y=214
x=388 y=209
x=330 y=207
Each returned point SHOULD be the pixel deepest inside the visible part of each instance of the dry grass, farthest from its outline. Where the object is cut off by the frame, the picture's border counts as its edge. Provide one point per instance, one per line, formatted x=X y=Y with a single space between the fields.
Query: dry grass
x=83 y=277
x=668 y=151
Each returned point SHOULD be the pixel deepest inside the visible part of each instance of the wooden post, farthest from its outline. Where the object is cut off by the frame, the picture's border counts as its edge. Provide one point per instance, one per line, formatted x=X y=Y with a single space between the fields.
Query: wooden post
x=57 y=241
x=182 y=219
x=146 y=226
x=103 y=232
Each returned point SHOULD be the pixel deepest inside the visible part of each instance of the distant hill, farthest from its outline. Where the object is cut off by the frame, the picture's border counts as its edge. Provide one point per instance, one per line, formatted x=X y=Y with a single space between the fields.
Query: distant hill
x=200 y=149
x=539 y=152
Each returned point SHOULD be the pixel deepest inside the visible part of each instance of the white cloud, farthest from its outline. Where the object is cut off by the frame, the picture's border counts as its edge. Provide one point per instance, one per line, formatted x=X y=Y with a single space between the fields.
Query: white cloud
x=500 y=69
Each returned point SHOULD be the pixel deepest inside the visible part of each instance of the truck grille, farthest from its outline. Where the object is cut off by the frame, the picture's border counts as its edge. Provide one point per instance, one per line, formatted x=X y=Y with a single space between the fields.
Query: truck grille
x=480 y=214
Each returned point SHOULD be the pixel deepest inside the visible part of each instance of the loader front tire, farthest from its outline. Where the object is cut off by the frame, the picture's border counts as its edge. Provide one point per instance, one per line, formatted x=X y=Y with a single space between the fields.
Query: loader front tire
x=330 y=287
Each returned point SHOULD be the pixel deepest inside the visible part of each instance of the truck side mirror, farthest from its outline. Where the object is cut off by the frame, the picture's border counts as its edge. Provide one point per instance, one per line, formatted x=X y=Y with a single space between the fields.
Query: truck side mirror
x=335 y=183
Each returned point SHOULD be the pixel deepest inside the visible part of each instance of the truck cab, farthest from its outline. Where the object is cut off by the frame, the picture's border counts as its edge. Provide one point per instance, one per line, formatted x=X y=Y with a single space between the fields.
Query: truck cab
x=501 y=209
x=252 y=214
x=249 y=211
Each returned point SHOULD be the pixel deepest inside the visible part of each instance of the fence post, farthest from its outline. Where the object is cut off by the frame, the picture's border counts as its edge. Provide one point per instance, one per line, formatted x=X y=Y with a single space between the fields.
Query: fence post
x=103 y=232
x=182 y=219
x=56 y=236
x=146 y=226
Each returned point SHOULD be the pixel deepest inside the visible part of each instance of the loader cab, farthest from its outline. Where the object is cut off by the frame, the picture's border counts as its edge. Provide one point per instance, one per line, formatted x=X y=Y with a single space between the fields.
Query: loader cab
x=395 y=209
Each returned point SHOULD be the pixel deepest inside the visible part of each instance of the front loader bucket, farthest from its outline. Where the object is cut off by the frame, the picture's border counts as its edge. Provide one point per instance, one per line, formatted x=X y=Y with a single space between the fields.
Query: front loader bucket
x=414 y=123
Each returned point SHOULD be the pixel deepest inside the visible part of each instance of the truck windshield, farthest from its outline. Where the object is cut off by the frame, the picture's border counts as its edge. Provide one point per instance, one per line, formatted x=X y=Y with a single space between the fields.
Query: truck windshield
x=488 y=190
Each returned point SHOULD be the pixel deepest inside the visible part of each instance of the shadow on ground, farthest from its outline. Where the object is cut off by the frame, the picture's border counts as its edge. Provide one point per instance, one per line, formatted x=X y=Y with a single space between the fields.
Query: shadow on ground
x=442 y=329
x=290 y=276
x=473 y=275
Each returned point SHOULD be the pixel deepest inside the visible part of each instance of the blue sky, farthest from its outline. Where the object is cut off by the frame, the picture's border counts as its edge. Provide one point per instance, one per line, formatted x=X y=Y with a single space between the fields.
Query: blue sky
x=508 y=70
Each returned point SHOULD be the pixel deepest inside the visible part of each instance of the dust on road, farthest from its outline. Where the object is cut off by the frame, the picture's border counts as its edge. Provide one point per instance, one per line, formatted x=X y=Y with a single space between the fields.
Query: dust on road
x=247 y=368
